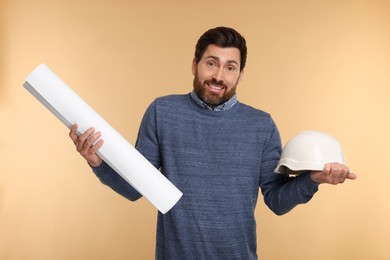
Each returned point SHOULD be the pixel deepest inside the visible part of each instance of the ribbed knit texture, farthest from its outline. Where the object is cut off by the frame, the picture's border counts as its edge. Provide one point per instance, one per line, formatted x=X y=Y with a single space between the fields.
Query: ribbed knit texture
x=218 y=159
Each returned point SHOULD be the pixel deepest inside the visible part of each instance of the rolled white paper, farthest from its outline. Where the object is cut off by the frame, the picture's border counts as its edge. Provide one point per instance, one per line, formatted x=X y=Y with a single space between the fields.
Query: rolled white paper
x=68 y=107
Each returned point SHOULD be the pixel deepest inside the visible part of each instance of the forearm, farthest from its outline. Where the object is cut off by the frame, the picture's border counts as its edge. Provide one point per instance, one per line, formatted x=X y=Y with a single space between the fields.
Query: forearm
x=282 y=194
x=111 y=178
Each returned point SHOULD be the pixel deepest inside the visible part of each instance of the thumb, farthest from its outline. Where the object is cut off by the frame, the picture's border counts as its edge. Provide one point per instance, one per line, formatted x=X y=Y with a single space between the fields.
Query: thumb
x=351 y=176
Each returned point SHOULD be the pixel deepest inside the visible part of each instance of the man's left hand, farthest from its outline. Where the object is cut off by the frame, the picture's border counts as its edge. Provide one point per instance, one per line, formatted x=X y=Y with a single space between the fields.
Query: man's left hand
x=333 y=173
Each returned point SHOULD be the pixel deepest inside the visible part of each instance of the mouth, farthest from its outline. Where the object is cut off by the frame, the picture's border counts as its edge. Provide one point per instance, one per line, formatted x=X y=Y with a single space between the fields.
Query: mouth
x=215 y=87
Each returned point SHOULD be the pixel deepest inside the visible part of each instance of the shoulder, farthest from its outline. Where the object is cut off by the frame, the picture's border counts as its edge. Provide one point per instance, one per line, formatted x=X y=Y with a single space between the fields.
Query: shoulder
x=253 y=112
x=257 y=119
x=174 y=99
x=167 y=105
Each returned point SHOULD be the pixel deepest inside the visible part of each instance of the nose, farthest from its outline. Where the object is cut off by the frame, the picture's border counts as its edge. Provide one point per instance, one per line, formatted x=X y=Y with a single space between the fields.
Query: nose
x=218 y=74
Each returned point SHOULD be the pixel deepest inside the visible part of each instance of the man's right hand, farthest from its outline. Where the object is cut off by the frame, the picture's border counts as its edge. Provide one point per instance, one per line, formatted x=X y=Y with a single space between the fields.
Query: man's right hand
x=85 y=144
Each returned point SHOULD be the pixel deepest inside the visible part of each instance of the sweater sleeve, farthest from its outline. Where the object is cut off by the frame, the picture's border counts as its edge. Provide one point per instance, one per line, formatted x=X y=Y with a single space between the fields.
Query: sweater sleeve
x=112 y=179
x=147 y=141
x=281 y=192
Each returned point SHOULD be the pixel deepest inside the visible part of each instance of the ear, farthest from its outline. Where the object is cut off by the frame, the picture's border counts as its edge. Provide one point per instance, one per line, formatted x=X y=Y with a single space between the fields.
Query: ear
x=240 y=76
x=193 y=67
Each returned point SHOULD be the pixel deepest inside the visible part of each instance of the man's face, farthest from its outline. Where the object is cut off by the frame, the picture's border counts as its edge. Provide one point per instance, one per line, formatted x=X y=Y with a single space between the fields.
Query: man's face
x=217 y=74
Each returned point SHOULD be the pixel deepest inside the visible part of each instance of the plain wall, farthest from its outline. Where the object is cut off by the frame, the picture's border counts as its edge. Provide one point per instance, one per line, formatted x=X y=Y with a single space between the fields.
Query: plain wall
x=313 y=65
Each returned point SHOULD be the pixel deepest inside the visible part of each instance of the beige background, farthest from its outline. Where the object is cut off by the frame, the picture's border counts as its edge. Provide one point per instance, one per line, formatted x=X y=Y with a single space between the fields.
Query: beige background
x=314 y=65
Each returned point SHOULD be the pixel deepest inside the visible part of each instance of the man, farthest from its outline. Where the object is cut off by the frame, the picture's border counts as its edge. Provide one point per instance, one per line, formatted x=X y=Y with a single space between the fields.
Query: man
x=218 y=152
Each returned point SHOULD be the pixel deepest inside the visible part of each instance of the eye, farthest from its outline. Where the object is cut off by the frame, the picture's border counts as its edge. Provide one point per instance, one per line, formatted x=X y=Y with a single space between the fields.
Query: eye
x=231 y=68
x=210 y=63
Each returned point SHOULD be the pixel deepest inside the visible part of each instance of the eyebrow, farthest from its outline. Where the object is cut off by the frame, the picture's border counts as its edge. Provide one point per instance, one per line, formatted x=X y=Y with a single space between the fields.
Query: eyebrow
x=216 y=58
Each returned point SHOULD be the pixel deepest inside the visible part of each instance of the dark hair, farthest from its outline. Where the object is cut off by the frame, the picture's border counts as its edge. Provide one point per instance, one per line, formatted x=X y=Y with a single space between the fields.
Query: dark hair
x=222 y=37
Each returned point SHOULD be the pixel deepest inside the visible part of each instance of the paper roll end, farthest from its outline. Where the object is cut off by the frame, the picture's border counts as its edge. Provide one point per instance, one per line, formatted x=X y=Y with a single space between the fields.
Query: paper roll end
x=166 y=208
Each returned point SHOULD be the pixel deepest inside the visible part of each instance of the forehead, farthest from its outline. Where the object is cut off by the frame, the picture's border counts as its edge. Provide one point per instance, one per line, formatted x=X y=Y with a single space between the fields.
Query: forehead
x=228 y=54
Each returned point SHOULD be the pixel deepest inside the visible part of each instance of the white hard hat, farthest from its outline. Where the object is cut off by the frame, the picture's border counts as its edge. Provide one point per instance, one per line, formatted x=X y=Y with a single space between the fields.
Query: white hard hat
x=309 y=150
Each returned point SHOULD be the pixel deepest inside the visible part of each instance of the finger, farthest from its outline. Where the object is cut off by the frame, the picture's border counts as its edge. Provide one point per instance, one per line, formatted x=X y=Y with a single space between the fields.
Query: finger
x=327 y=169
x=89 y=153
x=97 y=146
x=334 y=169
x=92 y=139
x=84 y=136
x=338 y=173
x=72 y=133
x=81 y=141
x=337 y=169
x=344 y=171
x=333 y=175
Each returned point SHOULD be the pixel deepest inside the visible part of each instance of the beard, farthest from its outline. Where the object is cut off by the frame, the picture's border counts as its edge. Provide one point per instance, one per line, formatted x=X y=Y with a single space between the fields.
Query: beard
x=210 y=98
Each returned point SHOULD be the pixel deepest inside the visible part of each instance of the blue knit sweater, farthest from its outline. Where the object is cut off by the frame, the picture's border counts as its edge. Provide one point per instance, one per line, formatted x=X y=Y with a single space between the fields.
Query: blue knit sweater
x=218 y=159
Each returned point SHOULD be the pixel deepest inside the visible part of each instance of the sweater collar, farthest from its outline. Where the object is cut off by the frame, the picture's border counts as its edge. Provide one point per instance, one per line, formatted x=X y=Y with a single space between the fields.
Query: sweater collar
x=225 y=106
